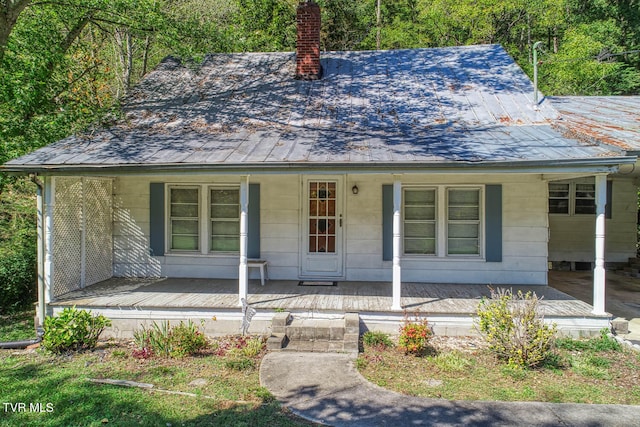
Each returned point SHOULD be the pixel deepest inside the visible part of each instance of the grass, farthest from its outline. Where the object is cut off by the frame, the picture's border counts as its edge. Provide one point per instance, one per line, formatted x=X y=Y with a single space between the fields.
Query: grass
x=17 y=327
x=587 y=371
x=230 y=396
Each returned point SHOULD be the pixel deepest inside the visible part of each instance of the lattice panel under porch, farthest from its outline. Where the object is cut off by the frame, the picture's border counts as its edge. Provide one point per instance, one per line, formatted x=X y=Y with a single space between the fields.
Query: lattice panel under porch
x=98 y=231
x=67 y=235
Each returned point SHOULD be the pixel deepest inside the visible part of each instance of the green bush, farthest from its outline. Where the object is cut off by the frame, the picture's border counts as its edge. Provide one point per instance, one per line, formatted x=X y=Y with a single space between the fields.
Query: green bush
x=18 y=273
x=514 y=329
x=17 y=276
x=73 y=330
x=163 y=340
x=376 y=339
x=414 y=336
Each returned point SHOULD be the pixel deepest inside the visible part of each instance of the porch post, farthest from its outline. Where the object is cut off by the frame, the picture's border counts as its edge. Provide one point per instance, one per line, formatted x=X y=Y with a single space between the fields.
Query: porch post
x=243 y=273
x=397 y=243
x=49 y=201
x=599 y=271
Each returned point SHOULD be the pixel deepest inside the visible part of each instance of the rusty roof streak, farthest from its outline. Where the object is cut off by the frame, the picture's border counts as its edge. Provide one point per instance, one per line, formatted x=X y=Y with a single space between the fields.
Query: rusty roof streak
x=610 y=120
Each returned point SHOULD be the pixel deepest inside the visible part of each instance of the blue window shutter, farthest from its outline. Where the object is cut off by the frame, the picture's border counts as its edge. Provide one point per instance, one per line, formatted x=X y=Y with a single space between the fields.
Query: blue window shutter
x=253 y=227
x=608 y=209
x=387 y=222
x=156 y=218
x=493 y=223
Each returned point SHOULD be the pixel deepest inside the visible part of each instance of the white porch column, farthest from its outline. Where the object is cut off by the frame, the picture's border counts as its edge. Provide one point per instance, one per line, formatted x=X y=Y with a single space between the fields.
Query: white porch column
x=243 y=273
x=397 y=243
x=49 y=201
x=40 y=248
x=599 y=272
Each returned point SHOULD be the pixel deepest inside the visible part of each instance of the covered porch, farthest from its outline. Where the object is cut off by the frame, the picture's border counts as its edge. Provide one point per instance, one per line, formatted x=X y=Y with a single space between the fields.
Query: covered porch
x=448 y=308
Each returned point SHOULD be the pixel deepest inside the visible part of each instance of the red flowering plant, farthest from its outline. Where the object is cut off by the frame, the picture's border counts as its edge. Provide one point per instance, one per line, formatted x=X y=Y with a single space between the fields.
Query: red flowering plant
x=414 y=336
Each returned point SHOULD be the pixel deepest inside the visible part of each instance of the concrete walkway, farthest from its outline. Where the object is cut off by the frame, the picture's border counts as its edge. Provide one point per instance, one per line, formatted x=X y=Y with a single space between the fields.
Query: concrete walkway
x=327 y=388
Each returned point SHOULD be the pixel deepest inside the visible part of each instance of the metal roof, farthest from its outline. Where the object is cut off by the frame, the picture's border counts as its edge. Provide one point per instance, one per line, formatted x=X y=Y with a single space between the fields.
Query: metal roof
x=444 y=106
x=613 y=120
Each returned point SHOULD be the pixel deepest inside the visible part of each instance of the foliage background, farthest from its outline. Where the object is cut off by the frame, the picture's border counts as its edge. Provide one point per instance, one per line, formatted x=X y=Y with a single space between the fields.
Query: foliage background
x=65 y=64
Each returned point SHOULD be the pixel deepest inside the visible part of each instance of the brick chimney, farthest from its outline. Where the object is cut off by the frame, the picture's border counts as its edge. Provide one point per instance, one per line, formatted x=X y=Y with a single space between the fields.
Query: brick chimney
x=308 y=45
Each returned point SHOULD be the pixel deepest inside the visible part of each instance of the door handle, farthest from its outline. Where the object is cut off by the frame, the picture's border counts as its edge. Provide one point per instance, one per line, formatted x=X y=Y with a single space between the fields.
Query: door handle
x=340 y=222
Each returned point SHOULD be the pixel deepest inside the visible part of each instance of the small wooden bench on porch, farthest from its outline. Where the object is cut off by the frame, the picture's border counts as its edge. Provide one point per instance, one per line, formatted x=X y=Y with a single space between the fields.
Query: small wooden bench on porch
x=262 y=265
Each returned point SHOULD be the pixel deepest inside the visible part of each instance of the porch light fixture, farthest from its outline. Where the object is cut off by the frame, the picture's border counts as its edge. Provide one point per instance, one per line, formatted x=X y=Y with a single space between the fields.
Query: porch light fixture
x=355 y=189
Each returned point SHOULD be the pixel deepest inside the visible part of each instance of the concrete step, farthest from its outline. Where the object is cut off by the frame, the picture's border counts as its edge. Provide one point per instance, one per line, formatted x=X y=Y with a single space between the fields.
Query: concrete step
x=317 y=335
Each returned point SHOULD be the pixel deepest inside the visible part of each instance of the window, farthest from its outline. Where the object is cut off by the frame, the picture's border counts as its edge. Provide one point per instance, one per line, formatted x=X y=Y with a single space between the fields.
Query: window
x=420 y=221
x=463 y=222
x=572 y=198
x=585 y=199
x=225 y=220
x=559 y=198
x=186 y=217
x=184 y=222
x=442 y=221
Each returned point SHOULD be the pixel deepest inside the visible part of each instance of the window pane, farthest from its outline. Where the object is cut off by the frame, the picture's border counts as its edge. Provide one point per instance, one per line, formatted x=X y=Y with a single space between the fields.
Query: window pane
x=464 y=197
x=187 y=243
x=225 y=244
x=464 y=213
x=225 y=197
x=585 y=206
x=420 y=246
x=559 y=190
x=463 y=230
x=184 y=195
x=586 y=191
x=419 y=213
x=463 y=247
x=229 y=228
x=420 y=229
x=184 y=227
x=420 y=197
x=225 y=211
x=559 y=206
x=184 y=210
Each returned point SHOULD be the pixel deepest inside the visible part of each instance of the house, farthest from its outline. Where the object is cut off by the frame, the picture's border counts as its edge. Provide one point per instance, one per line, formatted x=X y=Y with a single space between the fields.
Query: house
x=403 y=166
x=610 y=120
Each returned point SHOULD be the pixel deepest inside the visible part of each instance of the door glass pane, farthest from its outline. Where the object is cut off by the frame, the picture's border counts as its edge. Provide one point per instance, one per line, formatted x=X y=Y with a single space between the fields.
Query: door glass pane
x=322 y=217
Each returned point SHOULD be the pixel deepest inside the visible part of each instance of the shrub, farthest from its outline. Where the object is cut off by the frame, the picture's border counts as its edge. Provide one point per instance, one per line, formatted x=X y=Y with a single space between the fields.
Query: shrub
x=163 y=340
x=414 y=336
x=73 y=330
x=376 y=339
x=514 y=328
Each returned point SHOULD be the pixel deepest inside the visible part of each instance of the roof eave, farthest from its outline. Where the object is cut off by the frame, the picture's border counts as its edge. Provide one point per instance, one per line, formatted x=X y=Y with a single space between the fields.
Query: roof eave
x=595 y=165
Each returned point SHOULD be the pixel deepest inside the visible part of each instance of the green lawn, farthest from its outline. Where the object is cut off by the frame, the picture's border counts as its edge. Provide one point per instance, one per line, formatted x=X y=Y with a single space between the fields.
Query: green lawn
x=56 y=392
x=580 y=372
x=18 y=326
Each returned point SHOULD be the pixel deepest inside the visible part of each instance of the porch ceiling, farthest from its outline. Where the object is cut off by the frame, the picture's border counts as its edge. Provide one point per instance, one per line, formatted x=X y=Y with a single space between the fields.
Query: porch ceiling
x=363 y=297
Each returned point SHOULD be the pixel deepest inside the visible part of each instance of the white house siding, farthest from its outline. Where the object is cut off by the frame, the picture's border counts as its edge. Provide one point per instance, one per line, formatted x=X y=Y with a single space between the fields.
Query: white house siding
x=524 y=232
x=572 y=236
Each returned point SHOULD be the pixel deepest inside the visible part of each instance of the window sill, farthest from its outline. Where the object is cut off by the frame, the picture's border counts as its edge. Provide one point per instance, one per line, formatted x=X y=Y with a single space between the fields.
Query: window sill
x=201 y=255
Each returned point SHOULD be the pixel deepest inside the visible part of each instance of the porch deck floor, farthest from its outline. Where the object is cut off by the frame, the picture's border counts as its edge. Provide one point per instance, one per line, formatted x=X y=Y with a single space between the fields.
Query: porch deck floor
x=363 y=297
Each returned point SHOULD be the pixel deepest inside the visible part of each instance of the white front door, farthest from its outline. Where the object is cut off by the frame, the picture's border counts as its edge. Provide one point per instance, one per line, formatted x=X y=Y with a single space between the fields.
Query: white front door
x=322 y=226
